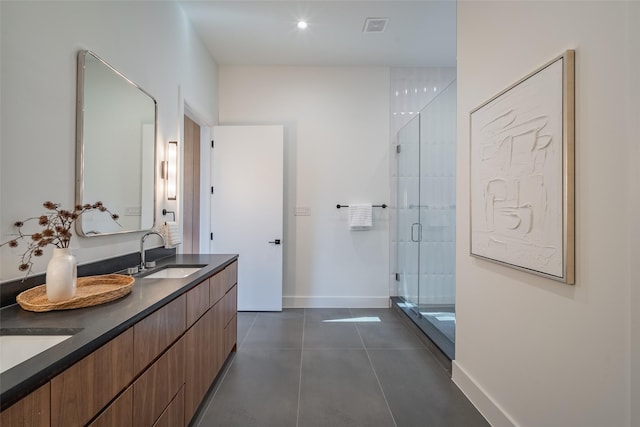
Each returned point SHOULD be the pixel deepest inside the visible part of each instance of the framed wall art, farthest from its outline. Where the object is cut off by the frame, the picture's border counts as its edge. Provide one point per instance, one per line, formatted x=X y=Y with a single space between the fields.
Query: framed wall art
x=522 y=173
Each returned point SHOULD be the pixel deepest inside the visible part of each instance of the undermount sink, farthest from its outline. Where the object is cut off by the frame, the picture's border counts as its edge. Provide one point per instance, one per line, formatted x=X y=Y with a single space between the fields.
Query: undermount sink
x=174 y=272
x=16 y=346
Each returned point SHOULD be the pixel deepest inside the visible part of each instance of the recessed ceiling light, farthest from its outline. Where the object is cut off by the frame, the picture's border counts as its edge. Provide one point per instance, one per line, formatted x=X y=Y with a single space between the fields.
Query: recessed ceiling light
x=302 y=25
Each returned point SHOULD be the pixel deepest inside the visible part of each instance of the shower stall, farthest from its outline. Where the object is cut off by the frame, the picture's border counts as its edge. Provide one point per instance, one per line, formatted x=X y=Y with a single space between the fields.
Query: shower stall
x=426 y=222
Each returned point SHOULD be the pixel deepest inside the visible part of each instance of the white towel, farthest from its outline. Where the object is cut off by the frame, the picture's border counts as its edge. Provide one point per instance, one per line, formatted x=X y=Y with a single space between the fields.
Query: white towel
x=172 y=234
x=360 y=216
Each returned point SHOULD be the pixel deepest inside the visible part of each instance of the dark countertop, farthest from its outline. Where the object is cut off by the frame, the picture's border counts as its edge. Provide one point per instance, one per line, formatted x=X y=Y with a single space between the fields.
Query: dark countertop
x=95 y=325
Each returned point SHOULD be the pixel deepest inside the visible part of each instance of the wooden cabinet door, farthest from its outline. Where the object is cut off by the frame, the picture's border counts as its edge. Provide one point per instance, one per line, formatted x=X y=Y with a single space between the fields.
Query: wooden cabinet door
x=230 y=308
x=173 y=416
x=81 y=391
x=158 y=385
x=32 y=410
x=231 y=275
x=119 y=413
x=197 y=302
x=217 y=288
x=230 y=302
x=198 y=364
x=230 y=336
x=156 y=332
x=217 y=339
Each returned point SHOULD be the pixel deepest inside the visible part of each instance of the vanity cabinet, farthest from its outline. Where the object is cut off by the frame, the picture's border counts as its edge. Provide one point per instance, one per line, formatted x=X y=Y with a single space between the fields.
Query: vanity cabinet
x=208 y=340
x=156 y=332
x=32 y=410
x=198 y=301
x=81 y=391
x=156 y=388
x=119 y=413
x=201 y=360
x=174 y=414
x=155 y=373
x=217 y=288
x=230 y=304
x=198 y=340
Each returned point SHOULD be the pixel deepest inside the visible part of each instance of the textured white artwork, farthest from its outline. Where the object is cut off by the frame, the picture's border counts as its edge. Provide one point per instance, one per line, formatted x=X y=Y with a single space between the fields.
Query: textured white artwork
x=517 y=175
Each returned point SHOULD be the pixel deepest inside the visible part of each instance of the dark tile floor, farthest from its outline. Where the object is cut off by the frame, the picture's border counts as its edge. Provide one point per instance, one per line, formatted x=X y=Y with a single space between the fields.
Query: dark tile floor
x=333 y=367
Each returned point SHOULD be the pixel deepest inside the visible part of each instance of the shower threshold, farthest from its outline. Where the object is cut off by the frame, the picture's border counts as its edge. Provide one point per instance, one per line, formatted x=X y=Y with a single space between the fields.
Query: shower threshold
x=436 y=322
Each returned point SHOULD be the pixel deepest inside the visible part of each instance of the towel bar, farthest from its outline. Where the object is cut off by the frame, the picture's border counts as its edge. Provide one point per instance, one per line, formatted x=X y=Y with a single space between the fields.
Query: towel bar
x=383 y=206
x=165 y=212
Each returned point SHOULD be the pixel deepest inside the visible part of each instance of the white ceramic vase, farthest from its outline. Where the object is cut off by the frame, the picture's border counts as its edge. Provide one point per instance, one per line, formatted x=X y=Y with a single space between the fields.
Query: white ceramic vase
x=62 y=275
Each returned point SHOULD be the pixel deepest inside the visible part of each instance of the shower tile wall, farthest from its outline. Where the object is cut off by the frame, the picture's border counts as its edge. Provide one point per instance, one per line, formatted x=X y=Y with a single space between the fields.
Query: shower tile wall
x=411 y=90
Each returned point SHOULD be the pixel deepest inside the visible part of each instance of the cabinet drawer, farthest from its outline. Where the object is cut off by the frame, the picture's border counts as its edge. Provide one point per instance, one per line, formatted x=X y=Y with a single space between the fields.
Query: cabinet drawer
x=154 y=333
x=119 y=413
x=197 y=302
x=173 y=416
x=231 y=275
x=230 y=336
x=217 y=339
x=216 y=288
x=81 y=391
x=32 y=410
x=159 y=384
x=198 y=364
x=230 y=303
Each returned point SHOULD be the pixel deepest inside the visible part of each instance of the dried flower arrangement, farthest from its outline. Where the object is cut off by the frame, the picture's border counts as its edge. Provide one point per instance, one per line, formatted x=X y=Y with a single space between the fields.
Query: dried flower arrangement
x=57 y=230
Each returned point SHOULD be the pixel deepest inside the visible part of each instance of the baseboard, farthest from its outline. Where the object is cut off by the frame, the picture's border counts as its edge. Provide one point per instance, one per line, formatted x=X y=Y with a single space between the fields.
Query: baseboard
x=495 y=415
x=335 y=302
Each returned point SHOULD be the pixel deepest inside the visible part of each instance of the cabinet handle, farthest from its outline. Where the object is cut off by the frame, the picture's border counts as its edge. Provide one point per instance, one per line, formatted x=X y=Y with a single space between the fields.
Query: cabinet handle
x=276 y=242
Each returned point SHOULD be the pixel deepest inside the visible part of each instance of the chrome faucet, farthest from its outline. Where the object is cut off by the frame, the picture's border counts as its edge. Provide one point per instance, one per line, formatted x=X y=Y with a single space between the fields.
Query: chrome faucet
x=143 y=264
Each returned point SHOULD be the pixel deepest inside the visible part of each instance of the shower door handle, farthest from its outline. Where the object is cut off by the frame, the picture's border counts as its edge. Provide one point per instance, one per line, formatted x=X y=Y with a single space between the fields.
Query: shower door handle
x=416 y=226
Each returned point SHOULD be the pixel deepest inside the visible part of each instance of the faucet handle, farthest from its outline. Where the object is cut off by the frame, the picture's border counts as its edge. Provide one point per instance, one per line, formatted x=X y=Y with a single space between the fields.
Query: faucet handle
x=150 y=264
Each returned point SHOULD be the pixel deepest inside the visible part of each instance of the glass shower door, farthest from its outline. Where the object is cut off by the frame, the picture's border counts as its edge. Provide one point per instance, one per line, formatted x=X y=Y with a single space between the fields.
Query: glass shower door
x=409 y=232
x=437 y=212
x=426 y=219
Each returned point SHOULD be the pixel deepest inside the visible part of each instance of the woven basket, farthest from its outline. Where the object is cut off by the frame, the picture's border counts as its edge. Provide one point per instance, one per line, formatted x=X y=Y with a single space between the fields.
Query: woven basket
x=91 y=290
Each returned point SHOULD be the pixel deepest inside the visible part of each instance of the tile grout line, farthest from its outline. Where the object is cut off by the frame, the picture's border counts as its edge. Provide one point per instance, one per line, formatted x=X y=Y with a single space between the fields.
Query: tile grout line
x=224 y=375
x=384 y=396
x=248 y=330
x=304 y=319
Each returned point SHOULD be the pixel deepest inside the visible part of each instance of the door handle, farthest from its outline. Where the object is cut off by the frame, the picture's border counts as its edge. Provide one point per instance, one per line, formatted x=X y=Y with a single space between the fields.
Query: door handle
x=276 y=242
x=413 y=227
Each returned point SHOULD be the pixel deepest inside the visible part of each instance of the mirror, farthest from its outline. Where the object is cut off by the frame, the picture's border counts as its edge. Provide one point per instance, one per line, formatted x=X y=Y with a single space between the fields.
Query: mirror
x=115 y=149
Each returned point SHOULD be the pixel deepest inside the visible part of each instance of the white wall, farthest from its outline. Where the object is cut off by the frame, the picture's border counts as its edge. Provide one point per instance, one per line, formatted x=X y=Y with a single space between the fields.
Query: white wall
x=336 y=151
x=152 y=43
x=530 y=351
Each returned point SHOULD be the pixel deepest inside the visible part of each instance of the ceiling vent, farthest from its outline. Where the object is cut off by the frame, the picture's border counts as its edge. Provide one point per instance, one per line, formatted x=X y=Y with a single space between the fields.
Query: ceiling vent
x=375 y=25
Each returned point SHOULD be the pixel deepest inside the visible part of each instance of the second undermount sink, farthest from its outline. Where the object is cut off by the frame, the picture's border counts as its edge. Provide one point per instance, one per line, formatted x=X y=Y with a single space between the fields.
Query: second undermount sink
x=174 y=272
x=16 y=346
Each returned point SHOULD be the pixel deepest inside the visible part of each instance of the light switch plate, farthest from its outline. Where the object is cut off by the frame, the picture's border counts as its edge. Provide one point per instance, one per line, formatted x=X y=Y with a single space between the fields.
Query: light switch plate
x=132 y=210
x=303 y=211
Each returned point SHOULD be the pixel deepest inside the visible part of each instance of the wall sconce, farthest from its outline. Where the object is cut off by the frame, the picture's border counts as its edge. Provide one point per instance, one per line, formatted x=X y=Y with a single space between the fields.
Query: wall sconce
x=171 y=170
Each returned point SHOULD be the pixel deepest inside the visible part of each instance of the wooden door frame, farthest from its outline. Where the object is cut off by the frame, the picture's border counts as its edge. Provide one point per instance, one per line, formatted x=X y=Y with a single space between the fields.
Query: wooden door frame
x=205 y=179
x=192 y=189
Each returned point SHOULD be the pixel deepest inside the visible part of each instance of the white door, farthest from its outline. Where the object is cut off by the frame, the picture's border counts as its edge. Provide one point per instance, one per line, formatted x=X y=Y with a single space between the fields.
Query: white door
x=246 y=210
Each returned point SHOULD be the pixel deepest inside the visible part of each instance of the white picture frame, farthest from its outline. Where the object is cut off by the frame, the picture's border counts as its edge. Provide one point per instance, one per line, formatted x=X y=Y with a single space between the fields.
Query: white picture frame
x=522 y=173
